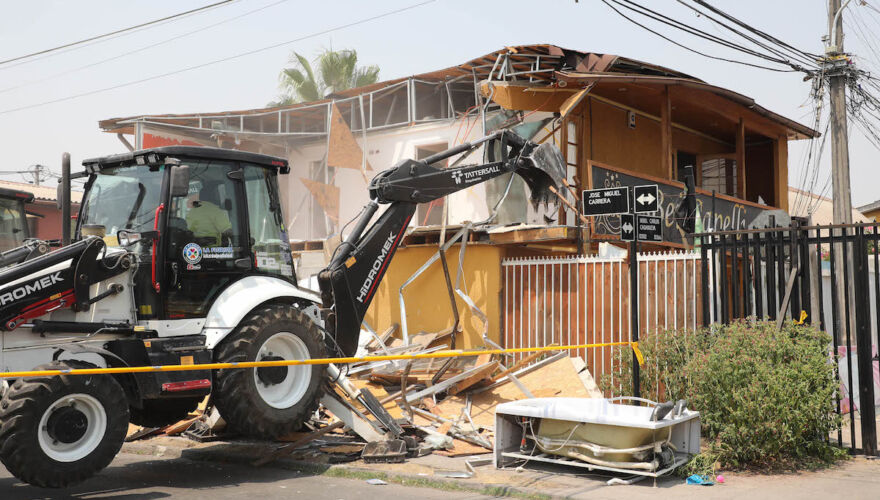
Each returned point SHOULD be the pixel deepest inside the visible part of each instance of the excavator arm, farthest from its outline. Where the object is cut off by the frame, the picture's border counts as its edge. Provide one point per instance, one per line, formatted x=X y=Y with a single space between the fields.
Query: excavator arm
x=349 y=282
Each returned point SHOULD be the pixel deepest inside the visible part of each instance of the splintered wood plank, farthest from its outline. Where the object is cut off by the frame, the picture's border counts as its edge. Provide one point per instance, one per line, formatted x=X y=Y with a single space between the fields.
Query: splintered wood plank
x=380 y=394
x=520 y=364
x=484 y=373
x=462 y=448
x=179 y=427
x=558 y=379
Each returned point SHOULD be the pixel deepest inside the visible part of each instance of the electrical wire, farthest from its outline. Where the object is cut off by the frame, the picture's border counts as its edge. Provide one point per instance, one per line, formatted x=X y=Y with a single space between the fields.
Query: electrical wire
x=756 y=31
x=778 y=52
x=718 y=58
x=221 y=60
x=117 y=32
x=644 y=11
x=129 y=53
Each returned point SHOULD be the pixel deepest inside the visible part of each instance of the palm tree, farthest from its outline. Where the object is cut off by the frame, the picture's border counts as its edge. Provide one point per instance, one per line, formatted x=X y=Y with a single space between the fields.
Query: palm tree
x=337 y=71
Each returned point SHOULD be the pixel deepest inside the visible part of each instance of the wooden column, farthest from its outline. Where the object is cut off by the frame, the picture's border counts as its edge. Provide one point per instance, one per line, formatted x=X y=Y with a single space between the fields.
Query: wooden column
x=780 y=172
x=563 y=145
x=585 y=136
x=666 y=134
x=741 y=159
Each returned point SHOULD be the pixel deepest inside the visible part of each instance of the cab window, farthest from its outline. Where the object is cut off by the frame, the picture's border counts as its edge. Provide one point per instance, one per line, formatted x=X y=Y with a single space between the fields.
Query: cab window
x=204 y=239
x=269 y=241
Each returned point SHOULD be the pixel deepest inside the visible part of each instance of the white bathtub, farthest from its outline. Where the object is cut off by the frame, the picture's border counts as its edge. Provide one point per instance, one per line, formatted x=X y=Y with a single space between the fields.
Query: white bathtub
x=596 y=434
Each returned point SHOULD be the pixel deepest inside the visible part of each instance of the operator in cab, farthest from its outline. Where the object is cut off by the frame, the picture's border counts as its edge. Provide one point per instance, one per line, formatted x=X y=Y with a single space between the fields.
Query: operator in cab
x=205 y=218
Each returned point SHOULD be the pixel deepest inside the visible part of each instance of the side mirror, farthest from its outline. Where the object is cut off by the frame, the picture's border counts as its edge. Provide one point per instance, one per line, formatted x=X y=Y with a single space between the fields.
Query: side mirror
x=127 y=238
x=59 y=196
x=179 y=180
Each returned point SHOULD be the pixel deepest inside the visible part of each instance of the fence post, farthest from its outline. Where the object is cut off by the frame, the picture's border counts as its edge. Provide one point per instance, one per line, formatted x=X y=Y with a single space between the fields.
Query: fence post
x=634 y=311
x=863 y=343
x=704 y=263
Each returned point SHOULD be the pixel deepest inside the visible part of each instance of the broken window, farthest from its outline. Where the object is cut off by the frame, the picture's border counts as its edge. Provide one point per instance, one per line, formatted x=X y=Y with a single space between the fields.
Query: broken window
x=320 y=226
x=719 y=174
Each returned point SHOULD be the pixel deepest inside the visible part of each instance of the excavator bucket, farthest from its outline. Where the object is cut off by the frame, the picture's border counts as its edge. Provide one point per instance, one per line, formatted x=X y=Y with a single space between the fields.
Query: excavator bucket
x=543 y=168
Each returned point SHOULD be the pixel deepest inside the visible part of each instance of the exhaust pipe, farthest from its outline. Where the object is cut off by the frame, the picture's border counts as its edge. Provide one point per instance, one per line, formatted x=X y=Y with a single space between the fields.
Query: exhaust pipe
x=65 y=199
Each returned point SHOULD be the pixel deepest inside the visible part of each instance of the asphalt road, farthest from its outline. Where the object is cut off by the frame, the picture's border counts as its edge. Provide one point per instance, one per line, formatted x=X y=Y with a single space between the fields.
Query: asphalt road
x=143 y=477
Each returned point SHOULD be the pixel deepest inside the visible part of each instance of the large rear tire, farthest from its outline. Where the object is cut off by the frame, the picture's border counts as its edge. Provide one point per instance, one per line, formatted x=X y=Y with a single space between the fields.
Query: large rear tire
x=59 y=431
x=268 y=403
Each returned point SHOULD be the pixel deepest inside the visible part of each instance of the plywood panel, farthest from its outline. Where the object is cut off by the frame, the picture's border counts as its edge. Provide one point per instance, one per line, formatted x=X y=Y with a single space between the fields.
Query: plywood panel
x=613 y=142
x=344 y=150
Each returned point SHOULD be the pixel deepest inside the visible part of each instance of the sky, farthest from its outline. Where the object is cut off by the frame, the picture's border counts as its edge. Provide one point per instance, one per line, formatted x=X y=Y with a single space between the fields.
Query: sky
x=435 y=35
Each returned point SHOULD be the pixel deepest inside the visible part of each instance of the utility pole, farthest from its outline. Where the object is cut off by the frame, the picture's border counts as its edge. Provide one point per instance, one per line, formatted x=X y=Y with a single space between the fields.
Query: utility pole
x=37 y=172
x=836 y=66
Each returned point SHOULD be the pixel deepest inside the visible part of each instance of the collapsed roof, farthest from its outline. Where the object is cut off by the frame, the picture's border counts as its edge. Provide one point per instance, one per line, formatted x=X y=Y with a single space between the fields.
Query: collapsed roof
x=443 y=94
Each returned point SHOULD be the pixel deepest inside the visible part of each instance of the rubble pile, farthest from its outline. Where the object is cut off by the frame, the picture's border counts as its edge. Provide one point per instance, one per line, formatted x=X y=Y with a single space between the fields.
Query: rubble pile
x=386 y=411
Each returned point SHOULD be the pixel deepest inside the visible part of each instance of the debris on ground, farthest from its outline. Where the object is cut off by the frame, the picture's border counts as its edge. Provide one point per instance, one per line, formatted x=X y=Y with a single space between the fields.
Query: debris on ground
x=388 y=411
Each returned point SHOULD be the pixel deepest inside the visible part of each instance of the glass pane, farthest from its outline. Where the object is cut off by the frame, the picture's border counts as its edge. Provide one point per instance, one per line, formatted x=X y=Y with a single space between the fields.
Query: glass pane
x=719 y=174
x=123 y=198
x=271 y=245
x=12 y=229
x=204 y=238
x=203 y=227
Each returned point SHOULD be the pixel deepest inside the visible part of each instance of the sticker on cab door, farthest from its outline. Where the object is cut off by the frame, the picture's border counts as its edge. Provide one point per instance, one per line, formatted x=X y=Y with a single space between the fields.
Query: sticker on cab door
x=192 y=253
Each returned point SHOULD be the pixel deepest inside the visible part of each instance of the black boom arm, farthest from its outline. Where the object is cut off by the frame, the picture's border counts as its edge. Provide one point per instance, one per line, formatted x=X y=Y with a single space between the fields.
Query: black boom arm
x=349 y=282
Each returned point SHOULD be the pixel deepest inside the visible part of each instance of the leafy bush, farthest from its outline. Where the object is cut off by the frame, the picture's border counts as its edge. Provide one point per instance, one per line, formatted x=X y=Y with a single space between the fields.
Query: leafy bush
x=766 y=398
x=663 y=377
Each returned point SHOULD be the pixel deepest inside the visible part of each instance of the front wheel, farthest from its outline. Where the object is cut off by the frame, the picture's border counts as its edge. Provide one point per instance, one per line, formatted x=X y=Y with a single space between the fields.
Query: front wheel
x=58 y=431
x=270 y=402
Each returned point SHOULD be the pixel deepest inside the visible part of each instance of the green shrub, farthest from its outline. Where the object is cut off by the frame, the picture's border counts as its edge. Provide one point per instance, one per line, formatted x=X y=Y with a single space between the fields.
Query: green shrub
x=663 y=376
x=765 y=398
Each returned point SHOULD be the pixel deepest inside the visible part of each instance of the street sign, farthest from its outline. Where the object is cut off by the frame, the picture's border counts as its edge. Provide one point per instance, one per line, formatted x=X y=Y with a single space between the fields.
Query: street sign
x=649 y=228
x=645 y=198
x=627 y=227
x=606 y=201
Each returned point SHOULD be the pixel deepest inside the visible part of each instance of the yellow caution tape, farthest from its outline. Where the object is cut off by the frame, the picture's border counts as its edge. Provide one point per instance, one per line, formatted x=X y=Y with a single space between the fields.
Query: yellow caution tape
x=639 y=356
x=319 y=361
x=803 y=318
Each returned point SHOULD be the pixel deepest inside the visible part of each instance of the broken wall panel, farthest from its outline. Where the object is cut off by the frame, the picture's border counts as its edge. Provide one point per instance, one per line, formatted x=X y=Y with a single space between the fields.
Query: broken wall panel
x=327 y=196
x=343 y=150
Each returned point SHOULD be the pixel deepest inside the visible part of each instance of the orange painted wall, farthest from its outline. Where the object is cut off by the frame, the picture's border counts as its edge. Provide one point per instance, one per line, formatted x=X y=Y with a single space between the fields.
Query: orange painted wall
x=427 y=300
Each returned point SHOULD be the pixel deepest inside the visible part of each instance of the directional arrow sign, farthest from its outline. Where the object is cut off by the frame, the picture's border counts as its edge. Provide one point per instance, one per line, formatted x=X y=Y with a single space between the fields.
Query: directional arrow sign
x=646 y=198
x=606 y=201
x=649 y=228
x=627 y=227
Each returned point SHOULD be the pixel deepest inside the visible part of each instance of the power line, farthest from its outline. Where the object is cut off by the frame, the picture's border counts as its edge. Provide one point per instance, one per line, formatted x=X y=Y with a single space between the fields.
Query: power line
x=779 y=52
x=141 y=49
x=718 y=58
x=644 y=11
x=123 y=30
x=756 y=31
x=217 y=61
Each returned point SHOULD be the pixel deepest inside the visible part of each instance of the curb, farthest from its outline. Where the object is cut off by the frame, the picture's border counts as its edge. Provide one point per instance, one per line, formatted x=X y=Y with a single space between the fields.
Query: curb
x=246 y=453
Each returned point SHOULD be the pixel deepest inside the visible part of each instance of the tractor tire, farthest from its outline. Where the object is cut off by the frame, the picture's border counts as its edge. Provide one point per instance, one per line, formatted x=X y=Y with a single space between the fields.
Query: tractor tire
x=59 y=431
x=162 y=412
x=270 y=402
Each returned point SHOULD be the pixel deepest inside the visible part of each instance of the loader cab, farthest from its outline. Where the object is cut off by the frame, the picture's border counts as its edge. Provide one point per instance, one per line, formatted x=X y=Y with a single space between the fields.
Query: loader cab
x=199 y=219
x=13 y=220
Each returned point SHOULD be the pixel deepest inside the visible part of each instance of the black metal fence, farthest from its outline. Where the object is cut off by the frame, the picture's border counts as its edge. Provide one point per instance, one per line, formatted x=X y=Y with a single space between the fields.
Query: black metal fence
x=828 y=276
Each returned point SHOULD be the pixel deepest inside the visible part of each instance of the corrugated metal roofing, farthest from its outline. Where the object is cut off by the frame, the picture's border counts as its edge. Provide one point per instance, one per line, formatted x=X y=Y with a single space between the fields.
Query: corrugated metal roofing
x=43 y=193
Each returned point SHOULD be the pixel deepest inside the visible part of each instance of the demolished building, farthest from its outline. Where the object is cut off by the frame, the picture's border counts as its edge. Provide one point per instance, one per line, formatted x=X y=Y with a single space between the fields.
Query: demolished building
x=618 y=122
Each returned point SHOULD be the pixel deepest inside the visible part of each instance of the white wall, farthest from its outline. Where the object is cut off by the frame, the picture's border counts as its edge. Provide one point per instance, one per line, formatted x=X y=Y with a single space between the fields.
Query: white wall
x=385 y=148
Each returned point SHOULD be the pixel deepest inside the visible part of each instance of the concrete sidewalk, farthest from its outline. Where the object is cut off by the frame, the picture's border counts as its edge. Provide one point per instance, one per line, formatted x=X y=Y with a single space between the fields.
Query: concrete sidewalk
x=855 y=479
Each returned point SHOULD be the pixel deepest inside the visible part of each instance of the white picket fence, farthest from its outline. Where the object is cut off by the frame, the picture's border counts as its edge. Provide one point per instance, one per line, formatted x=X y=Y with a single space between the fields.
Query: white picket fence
x=586 y=300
